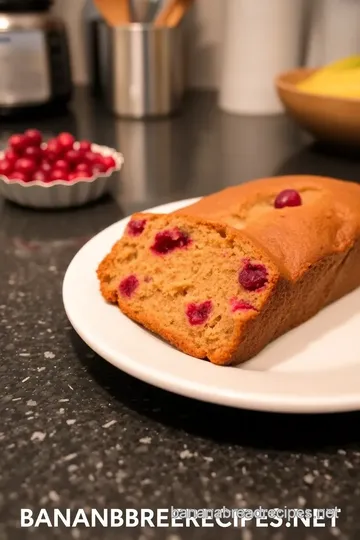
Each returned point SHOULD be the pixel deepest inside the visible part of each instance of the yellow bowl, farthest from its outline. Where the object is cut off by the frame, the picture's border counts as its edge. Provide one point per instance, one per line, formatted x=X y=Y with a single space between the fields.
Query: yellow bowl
x=328 y=119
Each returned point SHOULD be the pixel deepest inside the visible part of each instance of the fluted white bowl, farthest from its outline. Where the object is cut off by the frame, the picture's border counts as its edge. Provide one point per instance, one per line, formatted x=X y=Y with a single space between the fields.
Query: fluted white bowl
x=62 y=193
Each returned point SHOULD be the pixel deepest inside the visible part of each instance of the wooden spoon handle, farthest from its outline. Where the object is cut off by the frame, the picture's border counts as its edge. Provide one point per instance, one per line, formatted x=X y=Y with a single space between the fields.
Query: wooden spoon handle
x=178 y=13
x=115 y=12
x=124 y=13
x=172 y=13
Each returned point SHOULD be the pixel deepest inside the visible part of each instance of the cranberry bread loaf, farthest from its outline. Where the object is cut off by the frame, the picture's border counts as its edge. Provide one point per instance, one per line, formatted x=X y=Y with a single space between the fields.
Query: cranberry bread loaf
x=222 y=278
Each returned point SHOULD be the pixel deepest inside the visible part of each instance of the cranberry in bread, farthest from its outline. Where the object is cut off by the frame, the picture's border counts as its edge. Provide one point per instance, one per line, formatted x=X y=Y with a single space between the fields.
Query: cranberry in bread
x=224 y=277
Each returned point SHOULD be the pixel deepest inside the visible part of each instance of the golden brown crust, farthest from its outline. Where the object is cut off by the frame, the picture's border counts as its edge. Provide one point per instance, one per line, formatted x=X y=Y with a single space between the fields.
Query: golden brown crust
x=296 y=237
x=313 y=251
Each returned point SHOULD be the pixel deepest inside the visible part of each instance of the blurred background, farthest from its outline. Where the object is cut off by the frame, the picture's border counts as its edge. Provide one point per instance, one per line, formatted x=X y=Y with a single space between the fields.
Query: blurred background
x=195 y=94
x=338 y=20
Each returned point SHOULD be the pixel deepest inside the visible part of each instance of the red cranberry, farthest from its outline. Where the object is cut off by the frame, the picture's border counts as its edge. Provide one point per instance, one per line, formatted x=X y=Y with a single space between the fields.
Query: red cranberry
x=33 y=152
x=40 y=176
x=33 y=137
x=135 y=227
x=166 y=241
x=72 y=176
x=53 y=148
x=128 y=286
x=93 y=158
x=6 y=167
x=99 y=168
x=198 y=313
x=73 y=157
x=240 y=305
x=11 y=156
x=99 y=158
x=45 y=166
x=82 y=167
x=51 y=157
x=17 y=175
x=18 y=143
x=66 y=140
x=85 y=146
x=58 y=174
x=288 y=197
x=89 y=157
x=25 y=165
x=253 y=276
x=109 y=162
x=83 y=174
x=61 y=164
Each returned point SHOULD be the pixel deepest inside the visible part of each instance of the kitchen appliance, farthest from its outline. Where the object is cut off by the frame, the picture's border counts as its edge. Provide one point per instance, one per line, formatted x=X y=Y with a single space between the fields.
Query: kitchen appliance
x=34 y=58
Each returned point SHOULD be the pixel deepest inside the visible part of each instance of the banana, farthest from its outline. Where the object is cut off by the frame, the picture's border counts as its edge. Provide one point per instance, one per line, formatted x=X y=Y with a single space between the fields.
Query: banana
x=339 y=79
x=351 y=62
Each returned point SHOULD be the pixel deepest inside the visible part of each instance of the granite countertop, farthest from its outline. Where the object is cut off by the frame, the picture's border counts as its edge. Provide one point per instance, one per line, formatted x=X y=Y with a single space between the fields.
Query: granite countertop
x=76 y=432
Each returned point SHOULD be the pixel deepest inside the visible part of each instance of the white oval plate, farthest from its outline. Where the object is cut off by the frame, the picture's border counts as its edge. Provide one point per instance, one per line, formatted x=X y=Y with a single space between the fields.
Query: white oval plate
x=312 y=369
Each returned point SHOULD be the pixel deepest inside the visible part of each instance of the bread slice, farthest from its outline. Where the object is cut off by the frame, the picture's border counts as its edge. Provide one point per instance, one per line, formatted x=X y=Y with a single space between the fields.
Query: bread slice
x=224 y=277
x=181 y=278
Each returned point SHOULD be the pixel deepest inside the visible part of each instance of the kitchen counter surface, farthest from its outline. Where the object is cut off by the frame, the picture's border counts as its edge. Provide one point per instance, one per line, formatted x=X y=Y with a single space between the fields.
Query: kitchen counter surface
x=76 y=432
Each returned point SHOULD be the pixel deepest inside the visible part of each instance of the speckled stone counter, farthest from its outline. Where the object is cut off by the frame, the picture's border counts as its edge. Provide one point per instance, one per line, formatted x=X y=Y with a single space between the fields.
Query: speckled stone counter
x=76 y=432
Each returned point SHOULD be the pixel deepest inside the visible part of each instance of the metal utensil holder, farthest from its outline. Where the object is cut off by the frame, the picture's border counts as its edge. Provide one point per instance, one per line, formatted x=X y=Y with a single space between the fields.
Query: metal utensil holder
x=143 y=74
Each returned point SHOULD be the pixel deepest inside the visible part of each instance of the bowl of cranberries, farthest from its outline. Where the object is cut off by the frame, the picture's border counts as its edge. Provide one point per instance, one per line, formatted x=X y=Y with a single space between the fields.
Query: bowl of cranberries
x=58 y=173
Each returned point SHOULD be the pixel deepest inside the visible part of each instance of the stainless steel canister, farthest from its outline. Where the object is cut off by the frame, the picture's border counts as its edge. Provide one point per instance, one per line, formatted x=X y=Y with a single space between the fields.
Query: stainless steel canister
x=143 y=71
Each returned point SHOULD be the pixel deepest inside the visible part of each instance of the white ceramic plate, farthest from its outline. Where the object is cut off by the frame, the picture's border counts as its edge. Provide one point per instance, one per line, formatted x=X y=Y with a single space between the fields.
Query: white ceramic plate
x=314 y=368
